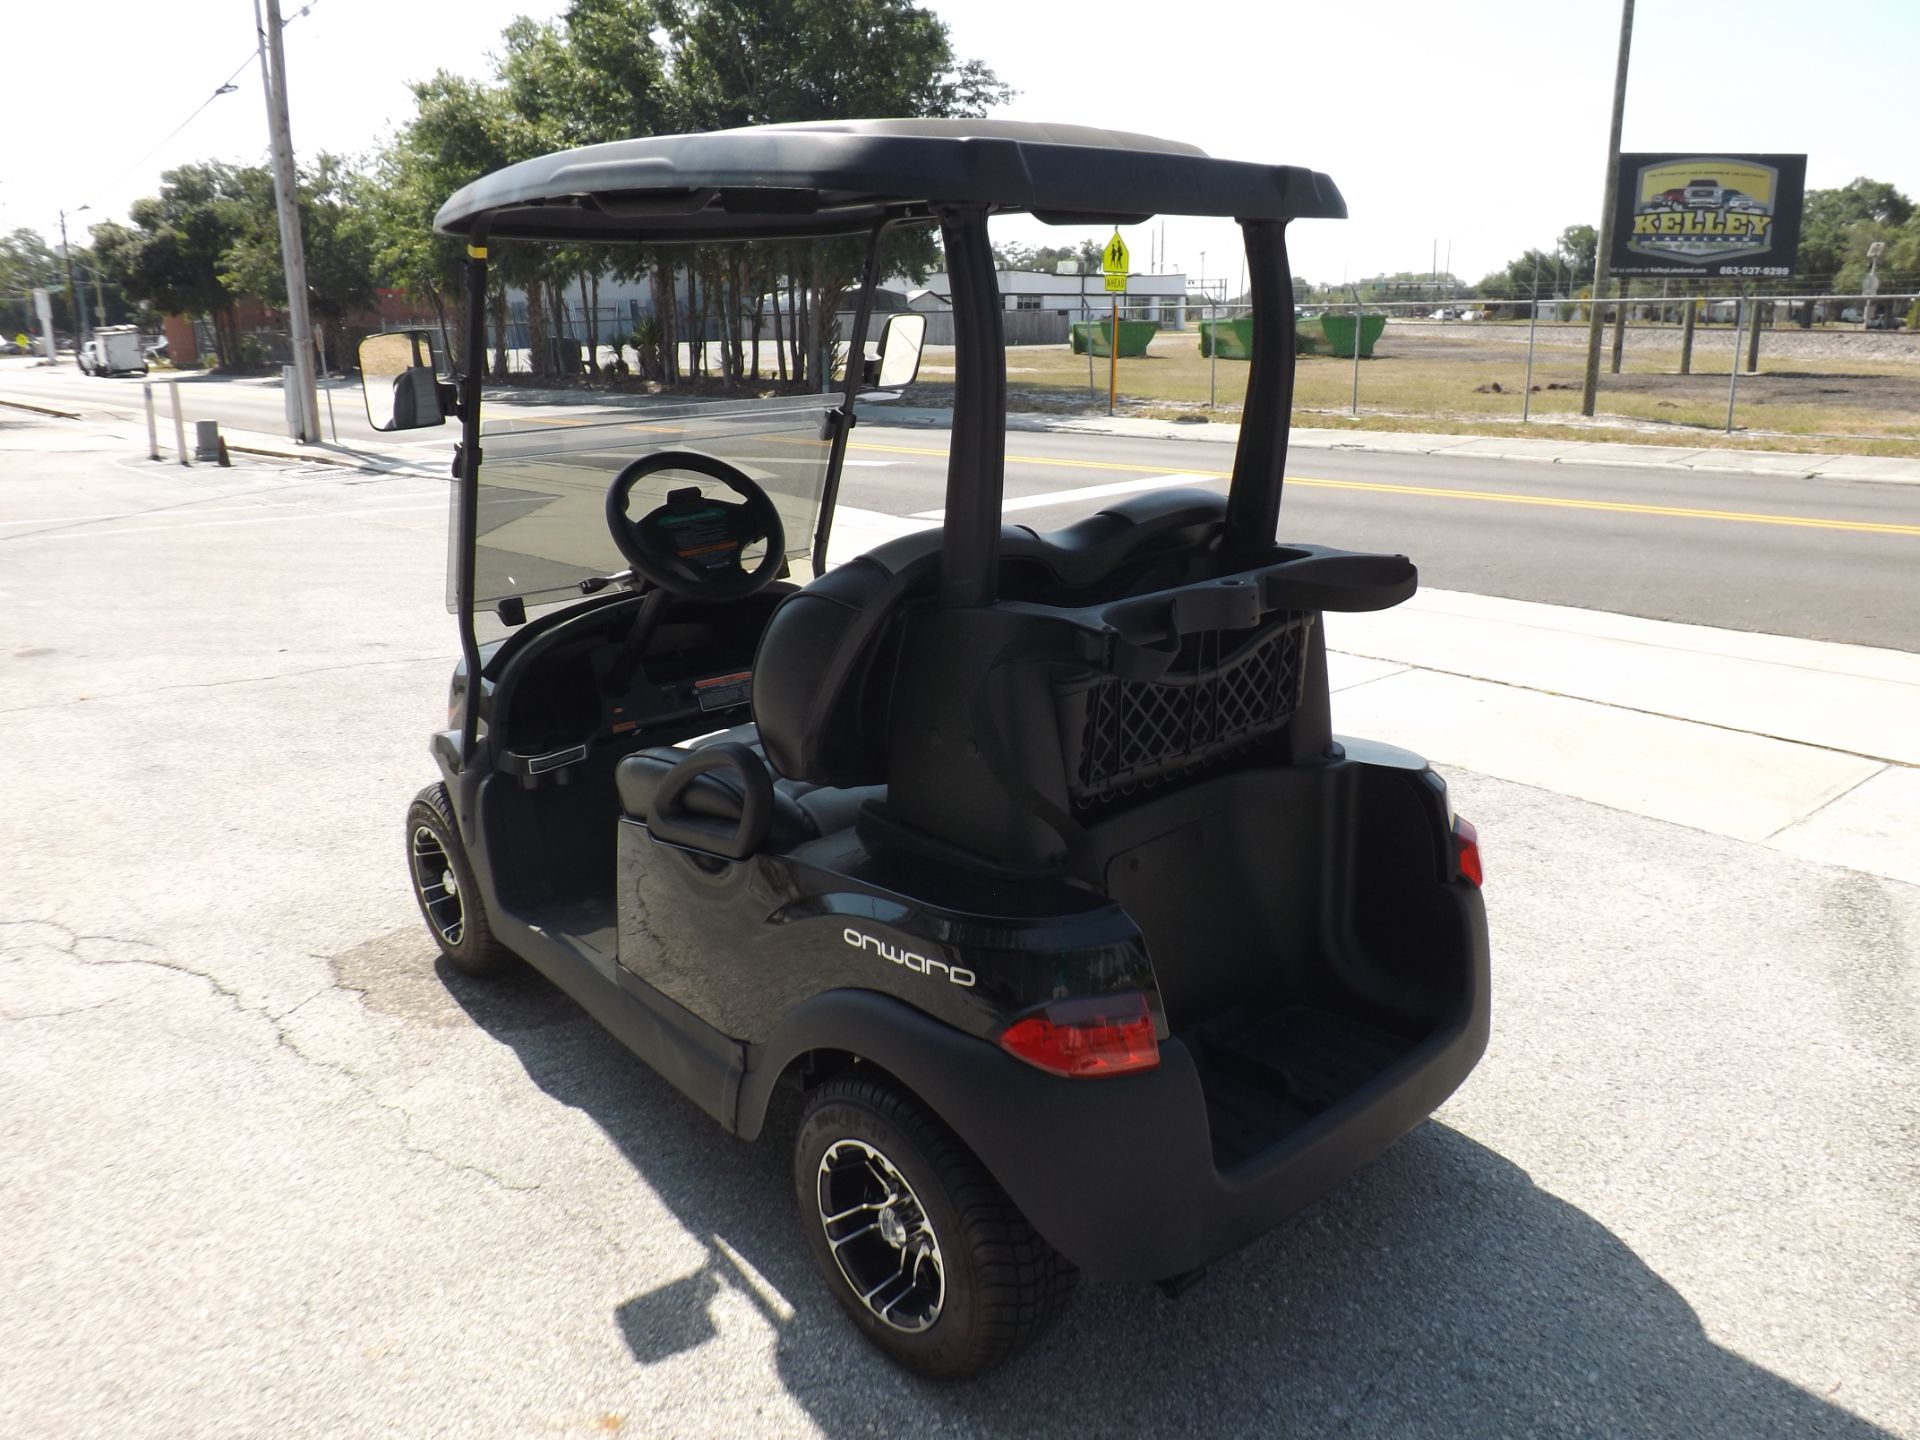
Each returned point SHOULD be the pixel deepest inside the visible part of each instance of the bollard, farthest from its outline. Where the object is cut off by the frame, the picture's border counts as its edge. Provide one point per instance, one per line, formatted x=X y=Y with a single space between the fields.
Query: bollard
x=153 y=434
x=179 y=425
x=206 y=441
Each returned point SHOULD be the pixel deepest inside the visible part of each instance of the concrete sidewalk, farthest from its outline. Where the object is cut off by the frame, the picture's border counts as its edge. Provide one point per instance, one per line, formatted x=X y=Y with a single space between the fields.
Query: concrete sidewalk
x=1801 y=745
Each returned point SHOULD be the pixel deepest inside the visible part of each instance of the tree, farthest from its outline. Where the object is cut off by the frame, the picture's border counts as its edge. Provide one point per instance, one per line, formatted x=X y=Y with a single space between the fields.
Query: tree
x=336 y=239
x=1566 y=270
x=461 y=129
x=759 y=62
x=1837 y=225
x=1015 y=256
x=174 y=255
x=28 y=263
x=766 y=62
x=1577 y=249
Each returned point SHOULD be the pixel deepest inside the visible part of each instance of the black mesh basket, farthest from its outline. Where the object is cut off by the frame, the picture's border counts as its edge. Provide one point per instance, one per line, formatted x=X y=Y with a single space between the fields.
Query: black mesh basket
x=1226 y=689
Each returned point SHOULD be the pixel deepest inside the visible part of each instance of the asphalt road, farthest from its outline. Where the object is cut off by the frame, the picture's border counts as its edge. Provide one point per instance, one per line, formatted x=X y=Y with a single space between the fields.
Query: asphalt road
x=1819 y=559
x=267 y=1169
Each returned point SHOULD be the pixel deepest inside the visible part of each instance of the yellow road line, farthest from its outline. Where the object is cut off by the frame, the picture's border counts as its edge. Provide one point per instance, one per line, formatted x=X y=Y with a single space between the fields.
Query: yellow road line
x=1562 y=502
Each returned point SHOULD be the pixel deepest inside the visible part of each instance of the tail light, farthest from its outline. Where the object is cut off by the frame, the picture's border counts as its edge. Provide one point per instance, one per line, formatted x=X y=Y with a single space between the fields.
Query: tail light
x=1466 y=850
x=1095 y=1035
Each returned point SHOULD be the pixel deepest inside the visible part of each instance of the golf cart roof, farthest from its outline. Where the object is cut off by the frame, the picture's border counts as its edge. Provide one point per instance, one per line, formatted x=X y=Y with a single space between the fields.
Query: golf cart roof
x=844 y=177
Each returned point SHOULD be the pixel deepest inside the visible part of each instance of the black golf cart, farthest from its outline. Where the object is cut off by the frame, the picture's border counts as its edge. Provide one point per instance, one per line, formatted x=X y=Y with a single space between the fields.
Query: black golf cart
x=1031 y=859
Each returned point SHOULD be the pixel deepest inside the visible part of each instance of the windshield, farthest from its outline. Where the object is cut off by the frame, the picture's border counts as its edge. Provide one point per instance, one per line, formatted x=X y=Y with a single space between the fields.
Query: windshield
x=543 y=484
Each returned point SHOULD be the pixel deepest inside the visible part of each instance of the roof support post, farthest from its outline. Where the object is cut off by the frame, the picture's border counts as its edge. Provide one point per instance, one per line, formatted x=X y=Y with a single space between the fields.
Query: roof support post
x=467 y=474
x=1260 y=460
x=843 y=420
x=976 y=458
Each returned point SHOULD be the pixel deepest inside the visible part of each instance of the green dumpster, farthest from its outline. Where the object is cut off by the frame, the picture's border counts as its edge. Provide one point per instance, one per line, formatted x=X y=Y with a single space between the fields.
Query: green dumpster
x=1339 y=332
x=1134 y=336
x=1235 y=338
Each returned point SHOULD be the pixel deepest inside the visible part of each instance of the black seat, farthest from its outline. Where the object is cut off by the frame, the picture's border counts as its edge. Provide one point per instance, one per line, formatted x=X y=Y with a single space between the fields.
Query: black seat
x=800 y=811
x=824 y=691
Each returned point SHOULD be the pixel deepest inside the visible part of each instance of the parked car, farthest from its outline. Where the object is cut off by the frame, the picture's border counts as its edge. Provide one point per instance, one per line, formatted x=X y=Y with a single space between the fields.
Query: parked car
x=1886 y=320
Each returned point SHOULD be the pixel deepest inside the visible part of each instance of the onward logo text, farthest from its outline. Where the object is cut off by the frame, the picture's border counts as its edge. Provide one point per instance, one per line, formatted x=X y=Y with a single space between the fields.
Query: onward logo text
x=919 y=964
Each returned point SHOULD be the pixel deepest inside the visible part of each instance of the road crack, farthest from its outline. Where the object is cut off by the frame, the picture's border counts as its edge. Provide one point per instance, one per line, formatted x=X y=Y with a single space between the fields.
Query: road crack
x=68 y=942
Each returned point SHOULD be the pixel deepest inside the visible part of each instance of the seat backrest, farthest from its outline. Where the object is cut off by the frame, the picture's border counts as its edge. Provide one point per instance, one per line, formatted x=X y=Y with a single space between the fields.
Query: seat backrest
x=824 y=683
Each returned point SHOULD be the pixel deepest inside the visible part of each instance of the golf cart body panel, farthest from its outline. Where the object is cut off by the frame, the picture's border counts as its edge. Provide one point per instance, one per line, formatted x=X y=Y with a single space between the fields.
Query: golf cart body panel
x=978 y=785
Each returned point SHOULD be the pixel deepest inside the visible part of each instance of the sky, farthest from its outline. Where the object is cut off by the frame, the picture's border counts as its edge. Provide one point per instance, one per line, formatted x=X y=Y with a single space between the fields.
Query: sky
x=1472 y=129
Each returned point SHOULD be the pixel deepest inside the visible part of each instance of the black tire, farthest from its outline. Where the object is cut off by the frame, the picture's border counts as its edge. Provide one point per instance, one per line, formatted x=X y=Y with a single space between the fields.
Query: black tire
x=999 y=1282
x=454 y=914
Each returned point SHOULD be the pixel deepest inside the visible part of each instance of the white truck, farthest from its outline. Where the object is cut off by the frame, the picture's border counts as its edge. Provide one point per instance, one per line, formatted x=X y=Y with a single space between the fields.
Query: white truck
x=114 y=350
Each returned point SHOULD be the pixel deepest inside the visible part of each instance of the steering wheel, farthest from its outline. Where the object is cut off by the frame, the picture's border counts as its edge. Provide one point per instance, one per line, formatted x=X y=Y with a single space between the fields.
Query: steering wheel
x=691 y=546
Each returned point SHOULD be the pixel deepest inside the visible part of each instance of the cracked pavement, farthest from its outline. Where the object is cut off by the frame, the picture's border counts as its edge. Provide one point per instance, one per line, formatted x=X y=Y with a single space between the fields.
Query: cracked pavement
x=267 y=1169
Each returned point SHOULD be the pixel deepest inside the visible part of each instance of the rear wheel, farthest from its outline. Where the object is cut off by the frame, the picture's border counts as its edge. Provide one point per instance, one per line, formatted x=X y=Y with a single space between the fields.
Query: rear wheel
x=920 y=1245
x=443 y=884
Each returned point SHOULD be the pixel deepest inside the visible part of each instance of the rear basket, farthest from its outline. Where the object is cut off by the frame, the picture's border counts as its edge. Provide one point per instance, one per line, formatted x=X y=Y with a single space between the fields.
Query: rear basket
x=1225 y=689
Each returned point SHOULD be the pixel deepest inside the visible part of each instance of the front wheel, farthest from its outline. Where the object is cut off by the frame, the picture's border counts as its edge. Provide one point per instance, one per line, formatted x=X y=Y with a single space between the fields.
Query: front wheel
x=443 y=884
x=919 y=1244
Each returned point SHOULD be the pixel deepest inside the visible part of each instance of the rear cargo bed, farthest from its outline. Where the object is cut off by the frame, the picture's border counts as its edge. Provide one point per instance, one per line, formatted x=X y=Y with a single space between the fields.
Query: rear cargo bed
x=1264 y=1076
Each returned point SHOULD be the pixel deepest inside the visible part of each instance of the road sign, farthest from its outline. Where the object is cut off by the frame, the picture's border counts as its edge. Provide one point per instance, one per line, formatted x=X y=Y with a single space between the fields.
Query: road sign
x=1117 y=283
x=1115 y=260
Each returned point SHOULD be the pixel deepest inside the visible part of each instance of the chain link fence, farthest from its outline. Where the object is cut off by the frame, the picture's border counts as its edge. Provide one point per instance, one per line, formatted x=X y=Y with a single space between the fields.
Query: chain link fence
x=1781 y=365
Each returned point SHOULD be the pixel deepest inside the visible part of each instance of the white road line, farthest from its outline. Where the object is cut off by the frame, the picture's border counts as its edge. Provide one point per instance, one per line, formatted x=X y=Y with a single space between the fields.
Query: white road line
x=1090 y=492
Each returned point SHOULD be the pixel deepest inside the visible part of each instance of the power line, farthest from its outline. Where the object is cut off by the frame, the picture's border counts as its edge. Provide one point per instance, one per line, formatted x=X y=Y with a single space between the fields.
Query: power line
x=225 y=87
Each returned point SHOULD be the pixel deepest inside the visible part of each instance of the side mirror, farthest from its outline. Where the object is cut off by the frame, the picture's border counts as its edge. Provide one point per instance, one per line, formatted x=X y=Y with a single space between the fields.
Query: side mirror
x=398 y=383
x=900 y=346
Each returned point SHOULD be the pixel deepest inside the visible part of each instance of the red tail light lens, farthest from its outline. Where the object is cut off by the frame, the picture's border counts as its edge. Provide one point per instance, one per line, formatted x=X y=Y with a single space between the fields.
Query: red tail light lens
x=1097 y=1035
x=1466 y=850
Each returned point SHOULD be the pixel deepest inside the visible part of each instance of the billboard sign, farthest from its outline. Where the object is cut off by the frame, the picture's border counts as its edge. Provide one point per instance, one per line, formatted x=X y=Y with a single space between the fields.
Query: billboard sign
x=1708 y=215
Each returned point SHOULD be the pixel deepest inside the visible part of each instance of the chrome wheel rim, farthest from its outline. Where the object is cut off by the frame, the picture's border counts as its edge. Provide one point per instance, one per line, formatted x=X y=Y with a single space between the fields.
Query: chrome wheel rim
x=880 y=1237
x=437 y=886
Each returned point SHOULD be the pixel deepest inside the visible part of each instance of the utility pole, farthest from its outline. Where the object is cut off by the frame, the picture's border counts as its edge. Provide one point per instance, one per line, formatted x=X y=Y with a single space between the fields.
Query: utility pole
x=1610 y=198
x=273 y=73
x=73 y=300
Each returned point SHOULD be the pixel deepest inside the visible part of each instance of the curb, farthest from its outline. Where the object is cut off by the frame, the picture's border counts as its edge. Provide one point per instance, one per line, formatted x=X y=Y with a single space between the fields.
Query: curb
x=43 y=410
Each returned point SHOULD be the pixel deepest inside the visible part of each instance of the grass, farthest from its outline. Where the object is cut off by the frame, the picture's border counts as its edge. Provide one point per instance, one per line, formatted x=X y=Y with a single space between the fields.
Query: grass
x=1437 y=379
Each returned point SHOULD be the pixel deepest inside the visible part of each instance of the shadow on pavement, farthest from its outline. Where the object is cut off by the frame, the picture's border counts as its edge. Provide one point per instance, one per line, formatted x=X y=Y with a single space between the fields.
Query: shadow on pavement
x=1438 y=1293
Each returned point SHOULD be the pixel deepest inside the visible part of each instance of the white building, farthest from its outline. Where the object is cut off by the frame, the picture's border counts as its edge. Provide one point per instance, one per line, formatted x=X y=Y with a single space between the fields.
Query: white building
x=1160 y=298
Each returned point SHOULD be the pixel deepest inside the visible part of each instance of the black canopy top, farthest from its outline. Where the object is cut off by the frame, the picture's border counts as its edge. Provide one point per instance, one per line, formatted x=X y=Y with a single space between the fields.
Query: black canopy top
x=840 y=177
